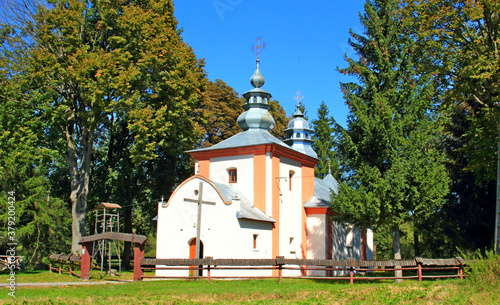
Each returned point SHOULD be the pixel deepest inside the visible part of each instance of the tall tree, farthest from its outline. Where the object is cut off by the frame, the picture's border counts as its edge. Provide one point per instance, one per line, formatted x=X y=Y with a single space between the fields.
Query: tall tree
x=324 y=143
x=395 y=173
x=30 y=216
x=92 y=61
x=459 y=41
x=220 y=107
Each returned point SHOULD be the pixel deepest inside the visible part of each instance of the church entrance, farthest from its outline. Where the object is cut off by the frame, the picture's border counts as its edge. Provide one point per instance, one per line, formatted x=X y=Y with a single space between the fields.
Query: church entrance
x=192 y=254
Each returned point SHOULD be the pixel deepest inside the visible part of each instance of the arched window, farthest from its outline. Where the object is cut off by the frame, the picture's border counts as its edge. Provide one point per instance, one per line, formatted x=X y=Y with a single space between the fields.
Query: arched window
x=298 y=135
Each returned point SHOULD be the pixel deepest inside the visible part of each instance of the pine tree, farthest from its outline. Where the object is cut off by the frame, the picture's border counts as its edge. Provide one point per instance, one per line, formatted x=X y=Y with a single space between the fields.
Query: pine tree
x=395 y=172
x=324 y=144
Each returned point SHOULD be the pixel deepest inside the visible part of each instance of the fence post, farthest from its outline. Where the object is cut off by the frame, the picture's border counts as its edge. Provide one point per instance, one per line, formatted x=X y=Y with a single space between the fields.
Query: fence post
x=280 y=261
x=352 y=263
x=419 y=272
x=208 y=261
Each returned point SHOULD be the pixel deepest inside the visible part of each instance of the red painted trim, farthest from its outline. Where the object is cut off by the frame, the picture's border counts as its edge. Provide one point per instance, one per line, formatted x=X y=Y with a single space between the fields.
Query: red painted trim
x=277 y=150
x=316 y=211
x=363 y=244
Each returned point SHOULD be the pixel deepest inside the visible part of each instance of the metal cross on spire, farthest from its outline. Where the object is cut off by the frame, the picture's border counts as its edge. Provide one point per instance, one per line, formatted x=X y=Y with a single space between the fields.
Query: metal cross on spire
x=259 y=47
x=299 y=97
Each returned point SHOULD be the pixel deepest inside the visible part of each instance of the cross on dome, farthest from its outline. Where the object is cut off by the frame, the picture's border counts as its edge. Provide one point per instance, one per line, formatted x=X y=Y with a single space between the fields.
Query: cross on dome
x=259 y=47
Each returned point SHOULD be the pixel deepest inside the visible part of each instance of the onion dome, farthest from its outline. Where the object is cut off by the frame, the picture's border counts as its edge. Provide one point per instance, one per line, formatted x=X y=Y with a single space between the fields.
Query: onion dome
x=299 y=135
x=256 y=114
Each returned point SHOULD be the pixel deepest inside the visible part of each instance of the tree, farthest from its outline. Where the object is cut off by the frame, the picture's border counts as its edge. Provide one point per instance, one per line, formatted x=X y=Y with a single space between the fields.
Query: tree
x=279 y=115
x=324 y=143
x=92 y=61
x=30 y=216
x=458 y=41
x=221 y=107
x=395 y=172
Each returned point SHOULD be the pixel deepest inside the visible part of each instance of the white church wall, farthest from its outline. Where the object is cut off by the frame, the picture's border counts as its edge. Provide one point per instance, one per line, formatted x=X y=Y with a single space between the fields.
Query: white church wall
x=369 y=244
x=269 y=188
x=230 y=238
x=290 y=211
x=244 y=165
x=316 y=240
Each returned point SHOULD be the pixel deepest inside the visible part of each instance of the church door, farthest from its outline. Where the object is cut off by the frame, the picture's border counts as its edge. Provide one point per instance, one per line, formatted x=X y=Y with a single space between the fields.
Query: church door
x=192 y=254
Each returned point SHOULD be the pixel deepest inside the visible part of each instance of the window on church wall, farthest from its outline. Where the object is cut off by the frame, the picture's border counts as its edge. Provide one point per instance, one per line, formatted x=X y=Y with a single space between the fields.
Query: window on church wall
x=290 y=175
x=255 y=240
x=233 y=175
x=298 y=135
x=292 y=245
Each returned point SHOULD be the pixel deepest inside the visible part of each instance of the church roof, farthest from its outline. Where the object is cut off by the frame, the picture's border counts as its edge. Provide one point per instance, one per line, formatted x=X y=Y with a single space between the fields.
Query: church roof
x=247 y=209
x=322 y=192
x=250 y=137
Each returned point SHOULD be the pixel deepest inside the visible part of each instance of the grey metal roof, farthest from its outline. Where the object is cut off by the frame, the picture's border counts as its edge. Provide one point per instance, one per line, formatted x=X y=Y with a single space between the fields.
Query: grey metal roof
x=322 y=192
x=247 y=208
x=250 y=137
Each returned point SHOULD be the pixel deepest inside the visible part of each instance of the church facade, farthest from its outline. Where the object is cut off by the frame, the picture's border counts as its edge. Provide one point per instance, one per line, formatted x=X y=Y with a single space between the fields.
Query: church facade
x=259 y=199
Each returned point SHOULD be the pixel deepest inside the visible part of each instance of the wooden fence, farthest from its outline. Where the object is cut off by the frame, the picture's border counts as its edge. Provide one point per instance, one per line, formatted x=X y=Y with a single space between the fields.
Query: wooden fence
x=64 y=262
x=418 y=268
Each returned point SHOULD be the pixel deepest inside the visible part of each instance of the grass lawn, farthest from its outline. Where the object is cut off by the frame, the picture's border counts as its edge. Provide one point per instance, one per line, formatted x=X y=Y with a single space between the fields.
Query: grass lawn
x=248 y=292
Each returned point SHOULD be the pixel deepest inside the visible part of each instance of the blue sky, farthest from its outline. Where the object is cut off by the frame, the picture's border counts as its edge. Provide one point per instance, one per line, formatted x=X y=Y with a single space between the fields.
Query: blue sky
x=305 y=42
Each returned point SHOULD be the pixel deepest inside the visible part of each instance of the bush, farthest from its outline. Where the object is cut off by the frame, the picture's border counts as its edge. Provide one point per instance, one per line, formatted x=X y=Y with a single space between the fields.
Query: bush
x=484 y=269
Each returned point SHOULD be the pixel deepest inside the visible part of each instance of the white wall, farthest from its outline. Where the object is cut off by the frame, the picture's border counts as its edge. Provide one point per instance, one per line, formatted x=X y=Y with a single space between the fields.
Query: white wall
x=244 y=165
x=230 y=238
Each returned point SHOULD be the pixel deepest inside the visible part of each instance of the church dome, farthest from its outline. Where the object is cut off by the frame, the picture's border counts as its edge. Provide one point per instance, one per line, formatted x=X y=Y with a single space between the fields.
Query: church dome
x=256 y=114
x=299 y=134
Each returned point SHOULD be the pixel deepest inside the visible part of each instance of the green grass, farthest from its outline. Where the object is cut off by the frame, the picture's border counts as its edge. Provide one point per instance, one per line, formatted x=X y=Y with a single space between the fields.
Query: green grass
x=252 y=292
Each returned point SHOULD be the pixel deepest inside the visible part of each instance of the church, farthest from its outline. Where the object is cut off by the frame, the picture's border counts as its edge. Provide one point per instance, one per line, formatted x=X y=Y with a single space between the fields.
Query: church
x=254 y=196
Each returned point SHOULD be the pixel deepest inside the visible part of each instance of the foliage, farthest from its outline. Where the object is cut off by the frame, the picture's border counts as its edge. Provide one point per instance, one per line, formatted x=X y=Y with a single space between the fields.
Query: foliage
x=483 y=269
x=220 y=107
x=395 y=171
x=40 y=221
x=458 y=42
x=382 y=239
x=324 y=144
x=99 y=63
x=279 y=115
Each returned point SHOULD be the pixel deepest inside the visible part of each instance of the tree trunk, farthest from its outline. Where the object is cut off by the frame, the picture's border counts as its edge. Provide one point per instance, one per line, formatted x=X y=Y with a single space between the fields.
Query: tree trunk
x=416 y=243
x=80 y=178
x=128 y=246
x=396 y=246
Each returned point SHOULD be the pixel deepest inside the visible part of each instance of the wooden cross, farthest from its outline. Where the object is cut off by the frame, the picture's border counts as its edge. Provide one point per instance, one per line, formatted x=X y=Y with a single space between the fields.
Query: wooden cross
x=200 y=202
x=258 y=47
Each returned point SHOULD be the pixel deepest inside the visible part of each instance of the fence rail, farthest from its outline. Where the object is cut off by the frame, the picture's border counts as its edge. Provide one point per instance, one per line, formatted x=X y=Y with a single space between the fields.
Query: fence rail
x=434 y=268
x=64 y=262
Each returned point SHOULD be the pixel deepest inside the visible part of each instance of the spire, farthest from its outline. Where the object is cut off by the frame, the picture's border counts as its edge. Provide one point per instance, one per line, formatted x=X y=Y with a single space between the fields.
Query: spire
x=256 y=115
x=299 y=134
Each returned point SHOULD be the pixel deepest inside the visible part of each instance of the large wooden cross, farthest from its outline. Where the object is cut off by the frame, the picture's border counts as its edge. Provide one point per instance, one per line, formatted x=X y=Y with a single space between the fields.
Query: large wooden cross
x=200 y=202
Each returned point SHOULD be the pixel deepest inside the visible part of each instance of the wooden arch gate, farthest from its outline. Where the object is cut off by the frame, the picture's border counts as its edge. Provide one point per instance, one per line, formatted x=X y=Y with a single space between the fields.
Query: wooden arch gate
x=138 y=240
